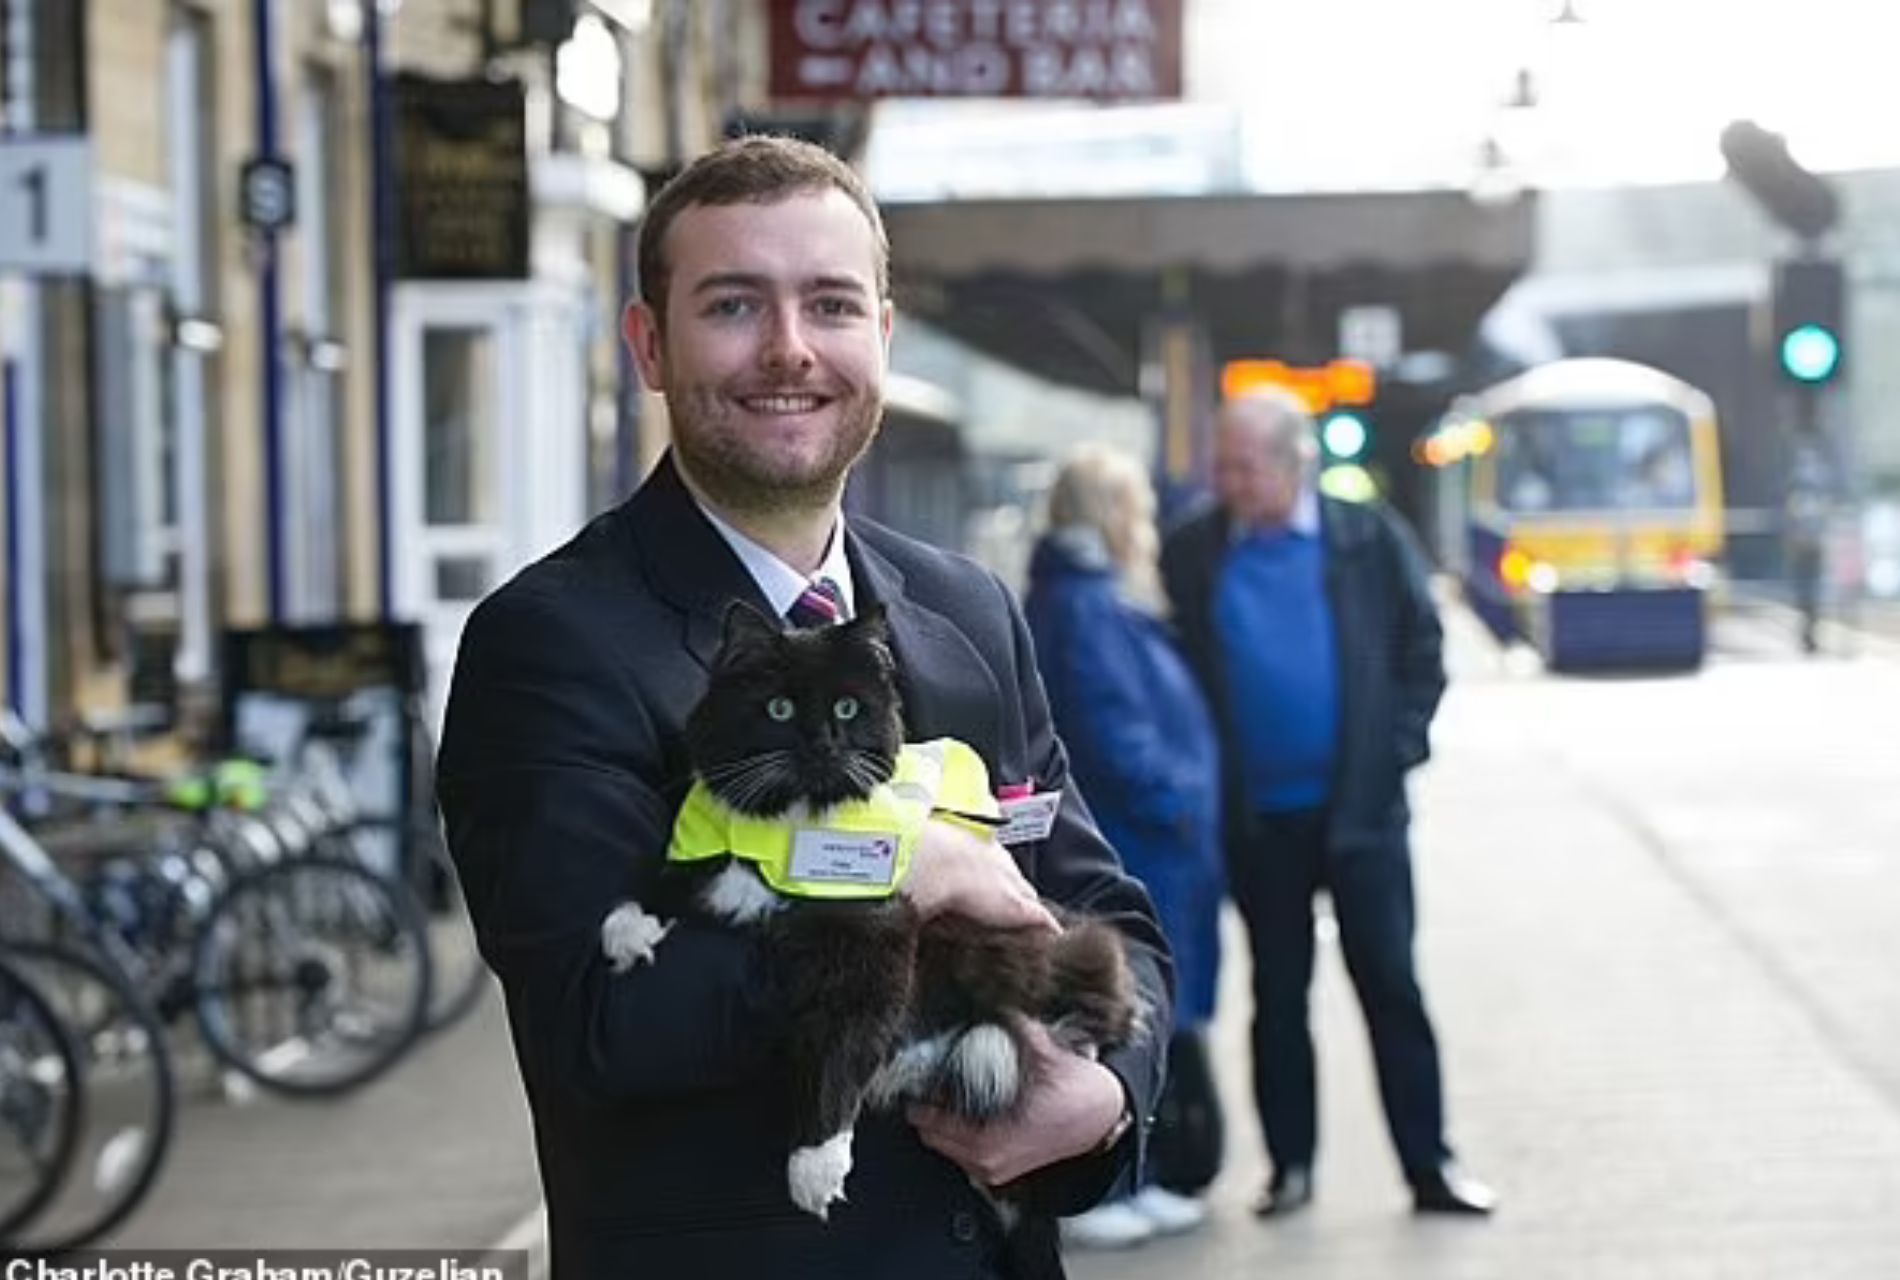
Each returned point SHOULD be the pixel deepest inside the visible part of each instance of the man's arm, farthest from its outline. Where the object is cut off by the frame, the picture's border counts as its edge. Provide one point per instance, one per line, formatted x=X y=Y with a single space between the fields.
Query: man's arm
x=1186 y=576
x=550 y=783
x=1419 y=640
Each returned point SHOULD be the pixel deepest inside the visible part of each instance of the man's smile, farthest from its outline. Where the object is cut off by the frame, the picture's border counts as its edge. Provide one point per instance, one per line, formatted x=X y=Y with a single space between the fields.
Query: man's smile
x=779 y=404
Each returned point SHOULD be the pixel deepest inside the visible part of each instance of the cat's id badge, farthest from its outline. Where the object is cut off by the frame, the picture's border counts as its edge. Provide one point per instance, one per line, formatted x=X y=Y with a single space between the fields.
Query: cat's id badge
x=1028 y=817
x=844 y=857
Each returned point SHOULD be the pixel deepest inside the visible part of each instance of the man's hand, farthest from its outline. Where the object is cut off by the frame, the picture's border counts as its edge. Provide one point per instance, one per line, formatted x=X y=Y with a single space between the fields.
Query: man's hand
x=956 y=871
x=1073 y=1105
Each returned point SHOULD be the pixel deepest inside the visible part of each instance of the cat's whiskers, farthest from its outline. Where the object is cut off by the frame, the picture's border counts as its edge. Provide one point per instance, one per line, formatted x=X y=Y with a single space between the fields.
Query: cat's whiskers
x=866 y=770
x=761 y=776
x=742 y=776
x=746 y=764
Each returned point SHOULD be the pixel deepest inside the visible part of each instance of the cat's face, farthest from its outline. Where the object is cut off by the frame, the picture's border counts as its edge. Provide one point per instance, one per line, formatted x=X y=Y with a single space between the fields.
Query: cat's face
x=793 y=717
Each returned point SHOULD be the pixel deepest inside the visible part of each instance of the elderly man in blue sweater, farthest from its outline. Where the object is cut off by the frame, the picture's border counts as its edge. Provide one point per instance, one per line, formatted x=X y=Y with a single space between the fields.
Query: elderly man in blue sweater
x=1309 y=623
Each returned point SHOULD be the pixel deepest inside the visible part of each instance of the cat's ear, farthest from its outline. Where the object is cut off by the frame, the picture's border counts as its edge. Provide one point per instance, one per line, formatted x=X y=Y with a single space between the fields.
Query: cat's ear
x=747 y=631
x=871 y=629
x=872 y=622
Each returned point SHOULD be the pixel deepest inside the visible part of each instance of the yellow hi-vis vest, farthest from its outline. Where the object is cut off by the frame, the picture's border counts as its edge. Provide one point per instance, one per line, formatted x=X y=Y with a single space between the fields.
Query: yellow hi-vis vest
x=857 y=850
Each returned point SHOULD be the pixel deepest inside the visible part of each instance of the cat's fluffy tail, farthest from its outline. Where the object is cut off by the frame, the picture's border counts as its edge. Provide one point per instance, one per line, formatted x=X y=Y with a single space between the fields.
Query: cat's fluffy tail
x=1094 y=1002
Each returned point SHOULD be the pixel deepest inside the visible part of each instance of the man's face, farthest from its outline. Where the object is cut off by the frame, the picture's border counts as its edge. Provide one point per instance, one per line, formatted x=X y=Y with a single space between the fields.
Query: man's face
x=1252 y=481
x=773 y=347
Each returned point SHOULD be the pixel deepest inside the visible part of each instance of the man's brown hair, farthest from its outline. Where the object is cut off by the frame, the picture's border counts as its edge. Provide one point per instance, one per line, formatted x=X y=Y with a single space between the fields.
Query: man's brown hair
x=761 y=169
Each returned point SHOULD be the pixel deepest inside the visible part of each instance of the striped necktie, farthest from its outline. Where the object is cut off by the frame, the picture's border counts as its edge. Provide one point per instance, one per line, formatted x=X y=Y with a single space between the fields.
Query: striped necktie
x=820 y=605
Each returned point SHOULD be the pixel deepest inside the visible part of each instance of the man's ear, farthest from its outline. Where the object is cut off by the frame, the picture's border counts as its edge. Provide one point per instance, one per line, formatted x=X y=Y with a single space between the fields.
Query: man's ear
x=640 y=326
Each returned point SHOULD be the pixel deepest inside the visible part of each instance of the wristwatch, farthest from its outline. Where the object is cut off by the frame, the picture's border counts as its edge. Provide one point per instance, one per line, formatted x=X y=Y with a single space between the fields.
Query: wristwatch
x=1121 y=1126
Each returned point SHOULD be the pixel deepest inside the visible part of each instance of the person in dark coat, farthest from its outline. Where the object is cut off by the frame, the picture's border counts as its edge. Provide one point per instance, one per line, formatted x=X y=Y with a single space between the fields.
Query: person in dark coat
x=1142 y=749
x=658 y=1095
x=1311 y=627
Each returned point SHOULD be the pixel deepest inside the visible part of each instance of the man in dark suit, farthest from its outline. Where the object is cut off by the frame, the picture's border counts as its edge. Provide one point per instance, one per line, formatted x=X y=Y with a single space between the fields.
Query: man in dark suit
x=656 y=1094
x=1309 y=623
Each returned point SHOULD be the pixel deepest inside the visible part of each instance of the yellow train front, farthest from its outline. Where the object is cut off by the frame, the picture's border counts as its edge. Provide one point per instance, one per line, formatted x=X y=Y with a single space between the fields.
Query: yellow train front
x=1582 y=501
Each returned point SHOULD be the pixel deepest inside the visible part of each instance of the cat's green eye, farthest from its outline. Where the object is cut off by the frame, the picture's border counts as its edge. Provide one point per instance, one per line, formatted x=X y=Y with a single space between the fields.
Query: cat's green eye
x=780 y=709
x=845 y=708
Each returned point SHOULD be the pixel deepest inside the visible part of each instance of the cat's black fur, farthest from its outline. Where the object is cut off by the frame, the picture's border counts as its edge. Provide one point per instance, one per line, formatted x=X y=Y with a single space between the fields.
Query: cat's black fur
x=884 y=1007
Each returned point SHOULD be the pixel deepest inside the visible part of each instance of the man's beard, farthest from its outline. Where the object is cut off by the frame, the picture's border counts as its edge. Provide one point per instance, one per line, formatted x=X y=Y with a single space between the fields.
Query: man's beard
x=732 y=476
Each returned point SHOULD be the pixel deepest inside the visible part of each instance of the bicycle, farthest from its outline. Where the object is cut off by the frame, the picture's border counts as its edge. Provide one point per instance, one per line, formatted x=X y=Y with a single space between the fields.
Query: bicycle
x=322 y=757
x=42 y=1102
x=130 y=1092
x=307 y=974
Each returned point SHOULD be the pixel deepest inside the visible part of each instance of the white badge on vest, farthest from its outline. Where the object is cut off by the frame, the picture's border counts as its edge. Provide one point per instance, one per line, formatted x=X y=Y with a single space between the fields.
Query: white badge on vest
x=1027 y=818
x=844 y=857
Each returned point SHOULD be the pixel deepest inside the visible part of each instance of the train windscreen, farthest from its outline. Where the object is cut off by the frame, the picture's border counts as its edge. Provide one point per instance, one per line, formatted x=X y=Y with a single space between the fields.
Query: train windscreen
x=1621 y=459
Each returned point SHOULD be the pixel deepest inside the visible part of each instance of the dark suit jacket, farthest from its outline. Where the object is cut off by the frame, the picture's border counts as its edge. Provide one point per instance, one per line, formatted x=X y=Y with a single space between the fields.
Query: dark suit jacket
x=1391 y=668
x=656 y=1095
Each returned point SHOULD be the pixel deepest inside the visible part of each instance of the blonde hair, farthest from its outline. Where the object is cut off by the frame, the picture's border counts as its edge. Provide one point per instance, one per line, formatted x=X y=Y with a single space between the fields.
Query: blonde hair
x=1104 y=489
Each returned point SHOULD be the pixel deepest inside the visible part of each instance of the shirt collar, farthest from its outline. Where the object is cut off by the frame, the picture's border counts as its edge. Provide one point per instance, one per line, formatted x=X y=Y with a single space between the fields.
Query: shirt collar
x=781 y=584
x=1304 y=521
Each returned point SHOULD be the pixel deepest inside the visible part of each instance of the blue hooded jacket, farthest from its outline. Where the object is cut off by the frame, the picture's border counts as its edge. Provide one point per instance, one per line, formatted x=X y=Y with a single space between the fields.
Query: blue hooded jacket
x=1142 y=748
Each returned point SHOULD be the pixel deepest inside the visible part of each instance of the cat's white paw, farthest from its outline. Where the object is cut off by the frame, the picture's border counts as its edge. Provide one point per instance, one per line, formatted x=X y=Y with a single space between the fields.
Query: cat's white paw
x=738 y=895
x=629 y=935
x=816 y=1175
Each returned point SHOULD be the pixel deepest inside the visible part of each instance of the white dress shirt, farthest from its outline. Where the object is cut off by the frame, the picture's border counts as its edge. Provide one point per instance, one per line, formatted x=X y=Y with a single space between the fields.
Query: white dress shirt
x=779 y=582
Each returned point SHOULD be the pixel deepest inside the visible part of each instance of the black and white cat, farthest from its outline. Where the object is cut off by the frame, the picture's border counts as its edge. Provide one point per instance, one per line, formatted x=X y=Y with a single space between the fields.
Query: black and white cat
x=884 y=1007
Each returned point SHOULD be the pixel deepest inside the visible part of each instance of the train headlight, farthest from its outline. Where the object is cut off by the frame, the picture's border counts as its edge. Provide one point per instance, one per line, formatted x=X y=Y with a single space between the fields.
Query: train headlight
x=1514 y=569
x=1691 y=570
x=1543 y=578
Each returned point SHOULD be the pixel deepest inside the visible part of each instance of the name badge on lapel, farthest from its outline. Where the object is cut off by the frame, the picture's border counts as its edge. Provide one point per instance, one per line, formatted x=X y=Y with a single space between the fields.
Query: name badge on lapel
x=1028 y=817
x=844 y=857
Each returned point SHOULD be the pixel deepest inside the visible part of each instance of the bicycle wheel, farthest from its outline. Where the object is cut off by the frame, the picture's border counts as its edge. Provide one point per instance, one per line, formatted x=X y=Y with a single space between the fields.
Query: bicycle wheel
x=42 y=1102
x=313 y=976
x=458 y=975
x=130 y=1088
x=461 y=975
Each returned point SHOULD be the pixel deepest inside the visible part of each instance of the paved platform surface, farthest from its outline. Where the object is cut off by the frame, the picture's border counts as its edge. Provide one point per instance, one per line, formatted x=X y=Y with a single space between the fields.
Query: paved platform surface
x=1657 y=936
x=435 y=1154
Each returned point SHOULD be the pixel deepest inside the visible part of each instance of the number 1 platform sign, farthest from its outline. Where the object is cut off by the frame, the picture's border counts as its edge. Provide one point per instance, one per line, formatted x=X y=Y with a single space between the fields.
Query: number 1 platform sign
x=45 y=204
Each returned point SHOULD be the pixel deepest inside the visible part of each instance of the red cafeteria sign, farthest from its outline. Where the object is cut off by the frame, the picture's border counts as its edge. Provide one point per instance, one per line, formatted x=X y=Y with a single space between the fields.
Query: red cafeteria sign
x=976 y=48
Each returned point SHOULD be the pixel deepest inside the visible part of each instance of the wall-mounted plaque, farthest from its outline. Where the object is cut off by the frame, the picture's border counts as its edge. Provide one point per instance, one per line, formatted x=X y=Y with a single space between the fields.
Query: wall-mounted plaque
x=461 y=180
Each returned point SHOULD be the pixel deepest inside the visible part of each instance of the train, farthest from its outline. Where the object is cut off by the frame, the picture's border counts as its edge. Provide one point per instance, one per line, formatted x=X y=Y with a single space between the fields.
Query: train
x=1580 y=504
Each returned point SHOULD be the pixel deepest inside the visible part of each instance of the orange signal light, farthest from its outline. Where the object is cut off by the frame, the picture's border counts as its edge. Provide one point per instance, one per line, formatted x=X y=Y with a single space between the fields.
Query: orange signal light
x=1338 y=382
x=1351 y=382
x=1242 y=377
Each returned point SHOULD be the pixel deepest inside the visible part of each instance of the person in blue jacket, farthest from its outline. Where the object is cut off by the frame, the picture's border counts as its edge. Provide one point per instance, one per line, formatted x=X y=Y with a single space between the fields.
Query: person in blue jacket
x=1142 y=749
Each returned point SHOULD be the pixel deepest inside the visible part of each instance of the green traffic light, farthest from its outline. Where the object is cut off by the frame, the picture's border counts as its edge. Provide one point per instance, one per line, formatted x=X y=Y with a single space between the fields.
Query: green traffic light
x=1810 y=353
x=1344 y=436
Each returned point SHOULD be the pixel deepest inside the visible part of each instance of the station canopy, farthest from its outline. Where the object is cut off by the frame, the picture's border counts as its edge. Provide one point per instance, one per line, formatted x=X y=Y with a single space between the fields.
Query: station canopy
x=1063 y=288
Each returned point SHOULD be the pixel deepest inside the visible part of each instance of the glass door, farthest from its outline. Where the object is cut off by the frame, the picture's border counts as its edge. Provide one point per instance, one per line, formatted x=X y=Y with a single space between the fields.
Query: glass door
x=488 y=447
x=451 y=495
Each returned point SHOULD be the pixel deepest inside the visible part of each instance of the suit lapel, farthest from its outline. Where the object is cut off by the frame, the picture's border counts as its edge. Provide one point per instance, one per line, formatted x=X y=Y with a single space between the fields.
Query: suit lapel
x=1343 y=535
x=687 y=561
x=948 y=690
